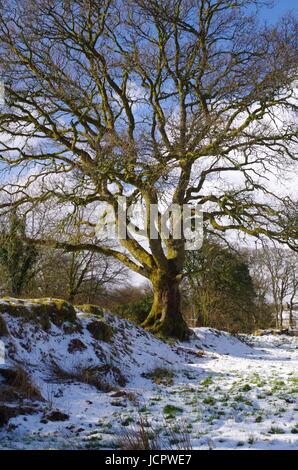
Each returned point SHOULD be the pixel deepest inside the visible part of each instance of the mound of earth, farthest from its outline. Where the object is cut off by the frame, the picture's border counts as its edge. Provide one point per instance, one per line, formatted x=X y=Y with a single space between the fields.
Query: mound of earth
x=222 y=342
x=79 y=378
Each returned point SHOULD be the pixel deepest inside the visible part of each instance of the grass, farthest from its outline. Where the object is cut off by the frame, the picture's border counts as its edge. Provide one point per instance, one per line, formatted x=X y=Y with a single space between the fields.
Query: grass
x=276 y=430
x=171 y=411
x=239 y=398
x=293 y=380
x=251 y=439
x=140 y=436
x=127 y=421
x=246 y=388
x=143 y=436
x=209 y=401
x=207 y=381
x=161 y=376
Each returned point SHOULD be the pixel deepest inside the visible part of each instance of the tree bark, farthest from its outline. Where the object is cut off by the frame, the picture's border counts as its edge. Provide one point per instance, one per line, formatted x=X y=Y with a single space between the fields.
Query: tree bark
x=165 y=317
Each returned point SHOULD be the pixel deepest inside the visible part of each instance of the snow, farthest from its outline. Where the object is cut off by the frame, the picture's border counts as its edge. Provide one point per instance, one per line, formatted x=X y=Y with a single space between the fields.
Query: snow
x=229 y=392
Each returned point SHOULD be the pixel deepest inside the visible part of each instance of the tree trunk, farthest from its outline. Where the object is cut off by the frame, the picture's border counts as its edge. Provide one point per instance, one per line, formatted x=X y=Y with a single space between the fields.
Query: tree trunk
x=291 y=322
x=165 y=316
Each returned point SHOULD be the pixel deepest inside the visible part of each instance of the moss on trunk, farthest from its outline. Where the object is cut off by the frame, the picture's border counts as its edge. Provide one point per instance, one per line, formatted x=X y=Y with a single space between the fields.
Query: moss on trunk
x=165 y=317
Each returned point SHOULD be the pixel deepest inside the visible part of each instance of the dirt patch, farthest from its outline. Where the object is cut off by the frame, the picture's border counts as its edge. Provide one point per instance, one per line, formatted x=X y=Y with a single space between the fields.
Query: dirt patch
x=100 y=330
x=3 y=327
x=55 y=415
x=11 y=411
x=76 y=345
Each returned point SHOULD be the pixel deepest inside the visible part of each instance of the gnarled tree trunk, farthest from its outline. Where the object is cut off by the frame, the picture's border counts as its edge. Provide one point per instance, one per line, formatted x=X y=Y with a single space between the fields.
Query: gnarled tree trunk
x=165 y=316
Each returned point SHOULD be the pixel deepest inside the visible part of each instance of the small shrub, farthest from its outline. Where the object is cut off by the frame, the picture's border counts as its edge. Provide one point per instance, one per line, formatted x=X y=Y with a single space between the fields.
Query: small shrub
x=8 y=412
x=293 y=380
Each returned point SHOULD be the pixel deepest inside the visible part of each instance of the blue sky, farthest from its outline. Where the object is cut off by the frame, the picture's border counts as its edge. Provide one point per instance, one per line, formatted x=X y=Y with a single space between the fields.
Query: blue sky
x=280 y=8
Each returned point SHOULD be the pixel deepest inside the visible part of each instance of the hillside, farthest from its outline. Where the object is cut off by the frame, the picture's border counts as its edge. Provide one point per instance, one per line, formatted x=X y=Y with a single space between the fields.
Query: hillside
x=75 y=377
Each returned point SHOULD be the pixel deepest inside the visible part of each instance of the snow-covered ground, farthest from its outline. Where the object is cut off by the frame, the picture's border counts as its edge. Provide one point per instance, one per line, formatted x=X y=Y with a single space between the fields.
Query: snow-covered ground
x=222 y=392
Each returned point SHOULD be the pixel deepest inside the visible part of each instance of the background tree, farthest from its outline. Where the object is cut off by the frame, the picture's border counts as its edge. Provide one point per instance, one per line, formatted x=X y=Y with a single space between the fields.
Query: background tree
x=155 y=101
x=18 y=259
x=76 y=276
x=293 y=299
x=279 y=268
x=132 y=303
x=221 y=291
x=80 y=277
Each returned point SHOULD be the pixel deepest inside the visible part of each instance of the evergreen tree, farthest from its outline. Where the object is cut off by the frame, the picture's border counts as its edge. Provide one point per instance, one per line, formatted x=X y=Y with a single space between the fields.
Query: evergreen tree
x=17 y=257
x=220 y=289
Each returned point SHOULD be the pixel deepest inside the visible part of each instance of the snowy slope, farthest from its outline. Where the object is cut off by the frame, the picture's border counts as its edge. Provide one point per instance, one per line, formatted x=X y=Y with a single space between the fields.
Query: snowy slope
x=222 y=342
x=223 y=392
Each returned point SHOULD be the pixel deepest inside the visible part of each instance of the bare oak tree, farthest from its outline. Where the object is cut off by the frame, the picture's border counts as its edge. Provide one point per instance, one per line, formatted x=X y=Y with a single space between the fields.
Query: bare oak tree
x=150 y=100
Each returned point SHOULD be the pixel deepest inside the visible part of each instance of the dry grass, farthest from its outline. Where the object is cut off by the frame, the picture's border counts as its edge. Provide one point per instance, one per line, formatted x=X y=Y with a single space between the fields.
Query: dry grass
x=19 y=383
x=142 y=436
x=90 y=375
x=8 y=394
x=161 y=376
x=179 y=438
x=23 y=383
x=139 y=436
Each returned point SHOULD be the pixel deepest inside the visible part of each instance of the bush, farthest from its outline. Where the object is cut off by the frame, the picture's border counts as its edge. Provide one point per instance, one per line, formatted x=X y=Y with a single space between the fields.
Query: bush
x=136 y=311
